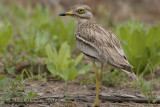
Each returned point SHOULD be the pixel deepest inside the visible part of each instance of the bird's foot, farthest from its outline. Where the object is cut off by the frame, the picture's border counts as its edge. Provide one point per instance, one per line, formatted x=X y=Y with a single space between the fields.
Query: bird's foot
x=96 y=104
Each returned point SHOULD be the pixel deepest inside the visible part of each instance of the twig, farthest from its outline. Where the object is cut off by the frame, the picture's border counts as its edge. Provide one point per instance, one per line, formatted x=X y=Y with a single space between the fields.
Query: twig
x=85 y=98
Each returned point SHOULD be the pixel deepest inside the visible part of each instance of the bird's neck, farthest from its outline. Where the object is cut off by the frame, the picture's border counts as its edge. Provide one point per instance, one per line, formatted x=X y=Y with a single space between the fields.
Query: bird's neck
x=82 y=21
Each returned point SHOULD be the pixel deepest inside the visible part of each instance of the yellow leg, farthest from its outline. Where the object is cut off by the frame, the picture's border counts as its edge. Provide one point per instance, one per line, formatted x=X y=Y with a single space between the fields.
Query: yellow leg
x=101 y=75
x=96 y=102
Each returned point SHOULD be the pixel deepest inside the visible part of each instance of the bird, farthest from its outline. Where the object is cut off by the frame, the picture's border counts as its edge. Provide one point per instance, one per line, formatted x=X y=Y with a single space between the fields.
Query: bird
x=98 y=43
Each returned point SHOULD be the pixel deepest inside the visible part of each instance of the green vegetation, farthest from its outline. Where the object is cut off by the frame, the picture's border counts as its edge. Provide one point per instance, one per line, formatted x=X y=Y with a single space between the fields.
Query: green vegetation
x=34 y=33
x=141 y=45
x=114 y=78
x=34 y=28
x=62 y=65
x=147 y=88
x=25 y=38
x=15 y=89
x=5 y=35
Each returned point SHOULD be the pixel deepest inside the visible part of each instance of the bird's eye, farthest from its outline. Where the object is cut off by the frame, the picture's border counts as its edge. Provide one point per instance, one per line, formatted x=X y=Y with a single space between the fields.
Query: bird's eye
x=80 y=11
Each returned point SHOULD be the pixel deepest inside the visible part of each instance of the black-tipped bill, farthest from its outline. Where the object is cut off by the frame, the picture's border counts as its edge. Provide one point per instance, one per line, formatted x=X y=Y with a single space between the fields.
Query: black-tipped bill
x=62 y=14
x=67 y=14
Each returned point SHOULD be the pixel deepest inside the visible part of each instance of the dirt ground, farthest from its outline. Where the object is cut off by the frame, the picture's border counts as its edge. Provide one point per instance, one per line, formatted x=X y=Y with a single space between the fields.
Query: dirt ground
x=57 y=87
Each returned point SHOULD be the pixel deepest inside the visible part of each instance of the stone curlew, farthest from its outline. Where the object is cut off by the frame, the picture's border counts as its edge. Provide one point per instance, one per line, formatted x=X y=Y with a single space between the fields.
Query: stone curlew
x=98 y=43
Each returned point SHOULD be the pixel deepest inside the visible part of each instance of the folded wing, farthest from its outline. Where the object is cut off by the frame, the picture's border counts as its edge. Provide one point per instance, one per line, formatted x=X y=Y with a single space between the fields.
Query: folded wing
x=98 y=42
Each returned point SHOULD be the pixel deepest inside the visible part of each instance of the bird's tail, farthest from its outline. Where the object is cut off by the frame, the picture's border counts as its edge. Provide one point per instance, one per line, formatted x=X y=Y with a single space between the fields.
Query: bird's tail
x=131 y=73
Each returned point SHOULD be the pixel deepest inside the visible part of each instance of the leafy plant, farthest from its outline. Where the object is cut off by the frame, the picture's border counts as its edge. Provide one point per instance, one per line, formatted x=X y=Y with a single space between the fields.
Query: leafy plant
x=67 y=100
x=35 y=28
x=14 y=89
x=147 y=88
x=140 y=44
x=113 y=78
x=61 y=64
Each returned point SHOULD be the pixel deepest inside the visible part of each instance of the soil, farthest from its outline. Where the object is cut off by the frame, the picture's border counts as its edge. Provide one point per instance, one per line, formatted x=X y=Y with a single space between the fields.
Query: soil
x=56 y=86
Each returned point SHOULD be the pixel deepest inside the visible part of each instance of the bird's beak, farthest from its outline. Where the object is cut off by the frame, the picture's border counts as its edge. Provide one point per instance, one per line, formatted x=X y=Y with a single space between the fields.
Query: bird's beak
x=70 y=13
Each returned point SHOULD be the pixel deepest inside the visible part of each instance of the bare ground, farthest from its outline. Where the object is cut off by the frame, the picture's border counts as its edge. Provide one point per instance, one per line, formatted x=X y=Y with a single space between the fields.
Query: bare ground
x=57 y=87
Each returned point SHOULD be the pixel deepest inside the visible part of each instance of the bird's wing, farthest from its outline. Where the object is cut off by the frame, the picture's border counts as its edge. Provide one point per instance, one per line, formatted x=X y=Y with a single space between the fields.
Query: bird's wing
x=106 y=45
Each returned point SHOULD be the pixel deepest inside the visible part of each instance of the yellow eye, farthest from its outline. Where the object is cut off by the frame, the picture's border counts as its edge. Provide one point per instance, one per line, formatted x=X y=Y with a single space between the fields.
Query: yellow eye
x=80 y=11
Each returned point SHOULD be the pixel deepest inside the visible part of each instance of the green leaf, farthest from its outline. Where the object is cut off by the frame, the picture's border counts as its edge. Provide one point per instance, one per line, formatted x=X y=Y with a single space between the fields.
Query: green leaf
x=60 y=63
x=69 y=74
x=78 y=59
x=52 y=54
x=3 y=82
x=85 y=69
x=10 y=70
x=140 y=44
x=52 y=69
x=5 y=35
x=64 y=58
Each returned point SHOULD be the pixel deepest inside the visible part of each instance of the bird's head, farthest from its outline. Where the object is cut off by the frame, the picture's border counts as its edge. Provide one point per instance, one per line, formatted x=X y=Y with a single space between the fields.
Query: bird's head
x=79 y=12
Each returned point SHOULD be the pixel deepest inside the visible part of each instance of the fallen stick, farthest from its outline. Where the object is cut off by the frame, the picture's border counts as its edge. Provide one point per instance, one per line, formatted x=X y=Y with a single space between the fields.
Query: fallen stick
x=128 y=98
x=84 y=98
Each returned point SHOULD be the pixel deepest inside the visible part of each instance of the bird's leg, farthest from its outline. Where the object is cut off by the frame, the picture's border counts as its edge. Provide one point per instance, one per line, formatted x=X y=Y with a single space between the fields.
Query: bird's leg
x=101 y=75
x=96 y=102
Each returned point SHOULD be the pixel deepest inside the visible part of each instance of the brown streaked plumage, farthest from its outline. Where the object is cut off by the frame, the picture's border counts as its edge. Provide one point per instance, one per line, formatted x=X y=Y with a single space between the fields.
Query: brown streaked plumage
x=101 y=44
x=98 y=43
